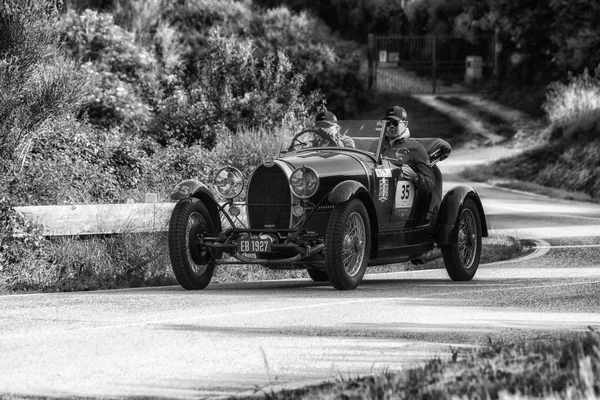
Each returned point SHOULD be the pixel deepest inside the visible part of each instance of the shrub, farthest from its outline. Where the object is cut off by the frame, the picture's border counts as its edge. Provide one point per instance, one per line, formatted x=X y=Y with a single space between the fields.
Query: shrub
x=580 y=96
x=236 y=87
x=124 y=74
x=21 y=241
x=37 y=82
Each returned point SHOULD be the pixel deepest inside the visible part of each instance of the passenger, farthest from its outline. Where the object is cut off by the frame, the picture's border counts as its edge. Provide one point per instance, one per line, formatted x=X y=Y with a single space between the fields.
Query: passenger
x=409 y=153
x=326 y=121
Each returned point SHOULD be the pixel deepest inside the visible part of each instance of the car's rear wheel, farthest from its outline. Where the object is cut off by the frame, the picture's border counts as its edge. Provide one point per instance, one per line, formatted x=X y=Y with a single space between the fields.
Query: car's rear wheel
x=317 y=275
x=192 y=264
x=347 y=244
x=462 y=258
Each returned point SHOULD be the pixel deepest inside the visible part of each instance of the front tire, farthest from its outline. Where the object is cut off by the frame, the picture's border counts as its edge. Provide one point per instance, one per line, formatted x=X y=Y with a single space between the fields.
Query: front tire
x=193 y=265
x=347 y=244
x=462 y=259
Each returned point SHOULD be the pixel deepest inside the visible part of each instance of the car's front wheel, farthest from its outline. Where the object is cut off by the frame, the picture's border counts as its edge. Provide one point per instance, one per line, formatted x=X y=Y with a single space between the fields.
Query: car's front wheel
x=192 y=264
x=347 y=244
x=462 y=258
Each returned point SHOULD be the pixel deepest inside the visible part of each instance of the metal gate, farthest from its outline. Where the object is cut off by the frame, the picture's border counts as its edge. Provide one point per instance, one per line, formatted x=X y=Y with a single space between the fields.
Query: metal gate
x=431 y=64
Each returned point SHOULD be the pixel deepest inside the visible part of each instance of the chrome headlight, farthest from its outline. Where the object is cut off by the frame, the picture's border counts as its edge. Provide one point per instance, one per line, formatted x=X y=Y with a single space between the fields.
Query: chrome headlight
x=304 y=182
x=229 y=182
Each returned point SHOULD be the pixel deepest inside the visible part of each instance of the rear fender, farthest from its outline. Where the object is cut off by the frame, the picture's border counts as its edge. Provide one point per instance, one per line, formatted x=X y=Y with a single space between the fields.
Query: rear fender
x=196 y=189
x=452 y=204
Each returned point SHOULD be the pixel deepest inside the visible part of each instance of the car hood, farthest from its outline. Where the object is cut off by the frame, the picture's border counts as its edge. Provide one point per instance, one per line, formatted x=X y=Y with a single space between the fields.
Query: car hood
x=329 y=163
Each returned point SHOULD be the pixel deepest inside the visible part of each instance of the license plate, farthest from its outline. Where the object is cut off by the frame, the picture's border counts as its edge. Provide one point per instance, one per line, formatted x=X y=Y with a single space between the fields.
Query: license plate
x=254 y=245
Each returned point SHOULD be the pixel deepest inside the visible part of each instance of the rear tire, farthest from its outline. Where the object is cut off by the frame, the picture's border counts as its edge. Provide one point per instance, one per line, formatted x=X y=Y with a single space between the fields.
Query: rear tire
x=462 y=259
x=347 y=244
x=193 y=265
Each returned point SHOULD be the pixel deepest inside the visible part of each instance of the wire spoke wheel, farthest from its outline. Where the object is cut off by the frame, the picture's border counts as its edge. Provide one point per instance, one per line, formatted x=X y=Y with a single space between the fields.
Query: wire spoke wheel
x=462 y=258
x=192 y=263
x=467 y=238
x=347 y=244
x=353 y=247
x=197 y=259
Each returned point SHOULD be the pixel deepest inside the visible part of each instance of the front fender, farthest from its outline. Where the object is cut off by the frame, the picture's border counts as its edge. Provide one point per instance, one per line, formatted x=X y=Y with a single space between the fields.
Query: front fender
x=344 y=191
x=197 y=189
x=189 y=188
x=454 y=200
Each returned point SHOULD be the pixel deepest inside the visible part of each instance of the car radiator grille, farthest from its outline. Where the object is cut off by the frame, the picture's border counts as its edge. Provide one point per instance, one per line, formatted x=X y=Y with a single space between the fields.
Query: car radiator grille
x=269 y=199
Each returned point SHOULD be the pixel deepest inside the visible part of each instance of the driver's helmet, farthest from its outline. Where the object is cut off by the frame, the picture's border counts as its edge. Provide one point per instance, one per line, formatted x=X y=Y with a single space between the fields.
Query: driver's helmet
x=327 y=122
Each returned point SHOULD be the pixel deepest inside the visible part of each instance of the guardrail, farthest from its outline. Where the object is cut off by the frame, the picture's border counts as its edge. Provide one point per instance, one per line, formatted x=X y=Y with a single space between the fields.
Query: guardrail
x=100 y=219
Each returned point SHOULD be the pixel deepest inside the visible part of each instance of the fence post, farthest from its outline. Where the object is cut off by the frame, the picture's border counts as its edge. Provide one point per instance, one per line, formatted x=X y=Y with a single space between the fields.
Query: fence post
x=497 y=50
x=434 y=62
x=371 y=60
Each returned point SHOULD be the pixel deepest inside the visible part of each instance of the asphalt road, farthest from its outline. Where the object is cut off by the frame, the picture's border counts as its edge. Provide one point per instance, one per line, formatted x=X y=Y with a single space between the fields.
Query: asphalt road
x=240 y=338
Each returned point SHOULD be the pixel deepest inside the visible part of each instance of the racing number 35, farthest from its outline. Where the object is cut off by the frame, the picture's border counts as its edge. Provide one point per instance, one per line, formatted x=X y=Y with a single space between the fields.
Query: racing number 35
x=404 y=194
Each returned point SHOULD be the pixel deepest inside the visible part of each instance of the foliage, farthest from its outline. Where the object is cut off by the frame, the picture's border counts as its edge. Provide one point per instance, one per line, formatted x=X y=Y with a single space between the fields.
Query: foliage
x=235 y=87
x=568 y=102
x=21 y=240
x=333 y=67
x=37 y=83
x=123 y=73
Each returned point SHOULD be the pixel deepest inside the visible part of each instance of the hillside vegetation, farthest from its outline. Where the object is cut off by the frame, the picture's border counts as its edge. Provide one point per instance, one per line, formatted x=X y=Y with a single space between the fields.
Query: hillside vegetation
x=568 y=154
x=105 y=100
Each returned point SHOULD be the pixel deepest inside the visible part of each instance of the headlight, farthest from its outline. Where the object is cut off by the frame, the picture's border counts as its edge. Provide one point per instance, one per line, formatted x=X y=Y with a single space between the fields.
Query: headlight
x=229 y=182
x=304 y=182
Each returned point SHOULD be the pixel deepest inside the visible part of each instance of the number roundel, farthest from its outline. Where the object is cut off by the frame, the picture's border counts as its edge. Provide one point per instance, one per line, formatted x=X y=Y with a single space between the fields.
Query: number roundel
x=404 y=194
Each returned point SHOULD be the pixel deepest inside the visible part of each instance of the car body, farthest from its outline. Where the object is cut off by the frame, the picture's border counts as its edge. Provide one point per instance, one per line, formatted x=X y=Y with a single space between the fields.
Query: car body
x=333 y=211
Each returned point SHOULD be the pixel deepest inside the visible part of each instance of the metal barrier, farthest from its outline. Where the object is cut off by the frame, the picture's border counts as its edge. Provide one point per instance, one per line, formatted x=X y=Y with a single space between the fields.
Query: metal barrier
x=100 y=219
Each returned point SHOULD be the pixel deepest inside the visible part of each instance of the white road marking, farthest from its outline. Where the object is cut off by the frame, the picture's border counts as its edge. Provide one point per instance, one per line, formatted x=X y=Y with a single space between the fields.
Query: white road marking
x=569 y=246
x=563 y=232
x=279 y=309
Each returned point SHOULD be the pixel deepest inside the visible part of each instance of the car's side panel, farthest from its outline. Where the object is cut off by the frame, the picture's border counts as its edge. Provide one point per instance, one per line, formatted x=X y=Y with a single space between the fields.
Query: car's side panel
x=447 y=228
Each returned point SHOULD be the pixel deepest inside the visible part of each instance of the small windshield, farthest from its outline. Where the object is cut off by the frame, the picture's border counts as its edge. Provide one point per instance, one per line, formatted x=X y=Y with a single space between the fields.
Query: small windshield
x=364 y=133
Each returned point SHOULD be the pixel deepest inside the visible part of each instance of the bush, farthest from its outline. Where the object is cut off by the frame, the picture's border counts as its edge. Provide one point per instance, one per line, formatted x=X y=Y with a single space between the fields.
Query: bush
x=37 y=82
x=123 y=73
x=574 y=100
x=21 y=241
x=235 y=88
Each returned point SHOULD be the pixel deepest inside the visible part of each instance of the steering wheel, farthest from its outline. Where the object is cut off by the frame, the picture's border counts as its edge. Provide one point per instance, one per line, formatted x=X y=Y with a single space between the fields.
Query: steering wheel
x=323 y=135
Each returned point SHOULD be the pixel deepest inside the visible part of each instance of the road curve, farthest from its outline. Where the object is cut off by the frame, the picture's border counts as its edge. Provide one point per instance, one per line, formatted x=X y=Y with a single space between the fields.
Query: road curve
x=240 y=338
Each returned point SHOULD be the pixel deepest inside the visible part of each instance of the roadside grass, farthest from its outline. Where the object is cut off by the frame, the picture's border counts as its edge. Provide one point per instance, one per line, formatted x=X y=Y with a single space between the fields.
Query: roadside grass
x=496 y=175
x=566 y=366
x=131 y=260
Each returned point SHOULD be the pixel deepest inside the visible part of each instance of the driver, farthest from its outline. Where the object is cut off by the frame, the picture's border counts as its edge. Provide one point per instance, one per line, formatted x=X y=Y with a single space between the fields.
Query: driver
x=326 y=121
x=410 y=153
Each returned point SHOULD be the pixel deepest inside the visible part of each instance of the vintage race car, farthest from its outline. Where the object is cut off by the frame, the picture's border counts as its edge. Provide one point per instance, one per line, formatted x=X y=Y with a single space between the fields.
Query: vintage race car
x=333 y=211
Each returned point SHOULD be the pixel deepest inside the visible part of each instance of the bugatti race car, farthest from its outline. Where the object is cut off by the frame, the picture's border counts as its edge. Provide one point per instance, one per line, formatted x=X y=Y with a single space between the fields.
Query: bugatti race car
x=333 y=211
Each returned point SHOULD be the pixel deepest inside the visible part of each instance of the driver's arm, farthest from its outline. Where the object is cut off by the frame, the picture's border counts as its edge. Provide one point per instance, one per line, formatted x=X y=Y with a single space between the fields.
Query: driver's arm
x=347 y=141
x=425 y=179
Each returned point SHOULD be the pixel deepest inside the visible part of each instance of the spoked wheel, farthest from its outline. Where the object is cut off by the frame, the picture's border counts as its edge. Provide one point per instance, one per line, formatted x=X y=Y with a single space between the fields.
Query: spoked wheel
x=192 y=264
x=347 y=244
x=462 y=259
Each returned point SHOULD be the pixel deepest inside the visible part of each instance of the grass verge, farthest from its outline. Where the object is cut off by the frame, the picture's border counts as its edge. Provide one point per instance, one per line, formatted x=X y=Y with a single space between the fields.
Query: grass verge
x=495 y=175
x=141 y=260
x=564 y=367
